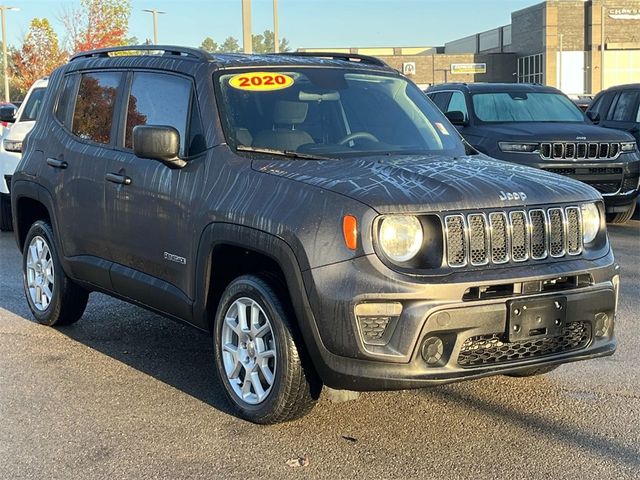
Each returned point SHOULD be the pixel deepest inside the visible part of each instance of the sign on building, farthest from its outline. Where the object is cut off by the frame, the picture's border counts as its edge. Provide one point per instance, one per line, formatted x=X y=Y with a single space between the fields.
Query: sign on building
x=624 y=13
x=409 y=68
x=459 y=68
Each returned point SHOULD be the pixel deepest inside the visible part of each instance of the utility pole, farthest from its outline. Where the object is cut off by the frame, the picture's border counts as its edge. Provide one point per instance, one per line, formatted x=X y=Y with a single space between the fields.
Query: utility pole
x=276 y=46
x=247 y=46
x=5 y=67
x=155 y=14
x=602 y=47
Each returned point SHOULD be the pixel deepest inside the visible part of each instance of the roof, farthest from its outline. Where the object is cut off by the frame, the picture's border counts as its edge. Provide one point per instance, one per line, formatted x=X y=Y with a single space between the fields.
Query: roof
x=628 y=86
x=493 y=87
x=233 y=60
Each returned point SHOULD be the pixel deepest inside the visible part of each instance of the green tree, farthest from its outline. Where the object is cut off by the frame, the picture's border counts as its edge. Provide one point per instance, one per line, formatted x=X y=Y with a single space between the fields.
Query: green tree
x=265 y=43
x=230 y=45
x=209 y=45
x=39 y=56
x=15 y=92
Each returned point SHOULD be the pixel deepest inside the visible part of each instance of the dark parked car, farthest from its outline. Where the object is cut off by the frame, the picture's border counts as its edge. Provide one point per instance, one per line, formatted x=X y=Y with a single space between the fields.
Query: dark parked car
x=539 y=126
x=318 y=217
x=618 y=108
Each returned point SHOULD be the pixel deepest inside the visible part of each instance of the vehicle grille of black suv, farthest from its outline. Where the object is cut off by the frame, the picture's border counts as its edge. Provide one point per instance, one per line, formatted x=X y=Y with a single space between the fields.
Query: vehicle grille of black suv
x=594 y=151
x=516 y=236
x=493 y=348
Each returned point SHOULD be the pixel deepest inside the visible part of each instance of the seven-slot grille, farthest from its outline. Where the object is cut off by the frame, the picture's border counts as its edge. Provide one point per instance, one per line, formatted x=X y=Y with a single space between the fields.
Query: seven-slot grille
x=562 y=150
x=517 y=236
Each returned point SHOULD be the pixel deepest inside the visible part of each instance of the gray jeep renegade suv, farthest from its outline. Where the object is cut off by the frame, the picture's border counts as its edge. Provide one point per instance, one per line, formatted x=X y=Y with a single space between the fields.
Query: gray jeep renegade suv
x=316 y=215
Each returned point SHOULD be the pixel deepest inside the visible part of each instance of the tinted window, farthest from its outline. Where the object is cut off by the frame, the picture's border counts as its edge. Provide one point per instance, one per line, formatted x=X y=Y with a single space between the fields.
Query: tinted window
x=65 y=102
x=158 y=99
x=457 y=104
x=525 y=107
x=441 y=100
x=93 y=114
x=34 y=102
x=625 y=107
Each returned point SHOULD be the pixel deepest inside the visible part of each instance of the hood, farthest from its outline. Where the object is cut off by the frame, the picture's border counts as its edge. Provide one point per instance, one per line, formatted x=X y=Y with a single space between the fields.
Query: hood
x=423 y=183
x=553 y=132
x=19 y=130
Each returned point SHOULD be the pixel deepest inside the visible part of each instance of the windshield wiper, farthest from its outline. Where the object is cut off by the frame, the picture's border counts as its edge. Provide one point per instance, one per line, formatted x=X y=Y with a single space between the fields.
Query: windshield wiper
x=283 y=153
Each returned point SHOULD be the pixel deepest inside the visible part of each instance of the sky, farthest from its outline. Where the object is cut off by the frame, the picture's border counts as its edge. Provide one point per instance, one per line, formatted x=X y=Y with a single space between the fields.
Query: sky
x=305 y=23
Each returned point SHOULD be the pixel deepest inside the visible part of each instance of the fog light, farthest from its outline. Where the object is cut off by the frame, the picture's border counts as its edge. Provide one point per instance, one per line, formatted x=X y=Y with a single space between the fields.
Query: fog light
x=377 y=321
x=601 y=323
x=433 y=351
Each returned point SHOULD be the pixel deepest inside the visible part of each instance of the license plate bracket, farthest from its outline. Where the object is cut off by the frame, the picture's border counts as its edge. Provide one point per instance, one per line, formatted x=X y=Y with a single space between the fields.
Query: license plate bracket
x=534 y=318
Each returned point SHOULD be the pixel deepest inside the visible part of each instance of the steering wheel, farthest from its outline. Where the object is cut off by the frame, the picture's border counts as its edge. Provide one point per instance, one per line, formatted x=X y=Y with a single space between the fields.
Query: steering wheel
x=356 y=135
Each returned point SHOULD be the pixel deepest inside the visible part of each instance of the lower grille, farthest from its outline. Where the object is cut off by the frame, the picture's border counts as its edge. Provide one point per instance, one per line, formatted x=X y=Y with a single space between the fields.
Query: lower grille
x=605 y=187
x=373 y=328
x=492 y=349
x=630 y=183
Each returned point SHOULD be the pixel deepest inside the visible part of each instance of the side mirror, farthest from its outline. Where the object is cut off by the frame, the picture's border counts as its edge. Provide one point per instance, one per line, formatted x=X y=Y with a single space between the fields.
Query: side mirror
x=158 y=142
x=594 y=117
x=8 y=113
x=456 y=117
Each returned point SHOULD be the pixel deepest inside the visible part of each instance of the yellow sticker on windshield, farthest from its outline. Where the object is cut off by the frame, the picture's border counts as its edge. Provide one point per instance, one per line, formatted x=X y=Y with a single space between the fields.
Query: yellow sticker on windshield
x=261 y=81
x=442 y=128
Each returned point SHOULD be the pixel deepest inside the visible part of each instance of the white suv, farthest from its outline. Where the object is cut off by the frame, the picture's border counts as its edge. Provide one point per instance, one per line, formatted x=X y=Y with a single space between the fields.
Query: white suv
x=11 y=145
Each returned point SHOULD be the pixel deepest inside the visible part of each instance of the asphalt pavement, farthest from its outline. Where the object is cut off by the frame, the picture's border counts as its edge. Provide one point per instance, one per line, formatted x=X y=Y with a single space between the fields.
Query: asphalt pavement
x=125 y=393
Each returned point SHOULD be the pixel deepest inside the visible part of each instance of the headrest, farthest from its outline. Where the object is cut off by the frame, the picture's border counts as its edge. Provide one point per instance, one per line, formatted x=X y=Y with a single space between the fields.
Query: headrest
x=289 y=113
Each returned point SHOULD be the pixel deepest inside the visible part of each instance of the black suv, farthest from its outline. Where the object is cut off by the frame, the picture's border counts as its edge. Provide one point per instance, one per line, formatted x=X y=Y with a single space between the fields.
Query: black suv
x=539 y=126
x=618 y=108
x=319 y=217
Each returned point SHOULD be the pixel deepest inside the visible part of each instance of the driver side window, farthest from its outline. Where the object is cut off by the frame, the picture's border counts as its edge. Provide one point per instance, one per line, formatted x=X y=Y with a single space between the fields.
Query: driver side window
x=457 y=103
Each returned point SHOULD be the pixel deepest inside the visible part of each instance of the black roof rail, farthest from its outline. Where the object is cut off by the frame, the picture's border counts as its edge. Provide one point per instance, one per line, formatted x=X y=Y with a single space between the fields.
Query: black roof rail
x=169 y=50
x=348 y=57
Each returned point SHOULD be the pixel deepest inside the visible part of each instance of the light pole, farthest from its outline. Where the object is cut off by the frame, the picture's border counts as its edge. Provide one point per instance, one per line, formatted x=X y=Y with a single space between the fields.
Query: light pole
x=155 y=14
x=5 y=68
x=247 y=46
x=276 y=47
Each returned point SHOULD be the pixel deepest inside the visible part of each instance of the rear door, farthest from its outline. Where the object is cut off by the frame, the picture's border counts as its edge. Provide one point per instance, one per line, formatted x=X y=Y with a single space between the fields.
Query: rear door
x=150 y=204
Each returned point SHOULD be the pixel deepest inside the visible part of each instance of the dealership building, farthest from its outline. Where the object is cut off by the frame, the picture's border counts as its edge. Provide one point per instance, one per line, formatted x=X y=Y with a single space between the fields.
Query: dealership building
x=577 y=46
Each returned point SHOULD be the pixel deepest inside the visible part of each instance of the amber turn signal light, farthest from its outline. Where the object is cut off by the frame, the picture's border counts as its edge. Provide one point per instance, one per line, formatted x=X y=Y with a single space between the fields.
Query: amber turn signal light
x=350 y=231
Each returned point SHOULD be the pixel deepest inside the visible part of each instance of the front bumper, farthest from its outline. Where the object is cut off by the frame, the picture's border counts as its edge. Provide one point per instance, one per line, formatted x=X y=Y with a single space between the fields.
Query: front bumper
x=395 y=359
x=618 y=181
x=8 y=163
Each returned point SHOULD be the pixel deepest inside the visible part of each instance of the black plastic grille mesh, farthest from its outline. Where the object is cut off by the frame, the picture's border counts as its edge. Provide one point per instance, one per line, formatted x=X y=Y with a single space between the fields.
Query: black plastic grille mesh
x=456 y=249
x=574 y=231
x=478 y=240
x=519 y=237
x=493 y=349
x=499 y=235
x=538 y=234
x=556 y=232
x=373 y=328
x=561 y=150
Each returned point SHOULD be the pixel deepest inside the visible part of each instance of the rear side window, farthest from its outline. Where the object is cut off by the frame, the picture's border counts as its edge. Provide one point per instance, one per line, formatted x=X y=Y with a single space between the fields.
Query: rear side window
x=34 y=103
x=65 y=102
x=625 y=107
x=158 y=99
x=93 y=115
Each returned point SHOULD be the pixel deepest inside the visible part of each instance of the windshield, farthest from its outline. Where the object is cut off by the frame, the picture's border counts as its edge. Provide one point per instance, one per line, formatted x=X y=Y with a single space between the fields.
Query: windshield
x=31 y=109
x=525 y=107
x=331 y=112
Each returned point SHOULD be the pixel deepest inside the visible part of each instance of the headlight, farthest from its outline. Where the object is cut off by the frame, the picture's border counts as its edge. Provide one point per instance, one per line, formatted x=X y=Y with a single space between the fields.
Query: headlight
x=628 y=146
x=590 y=222
x=518 y=147
x=401 y=237
x=12 y=145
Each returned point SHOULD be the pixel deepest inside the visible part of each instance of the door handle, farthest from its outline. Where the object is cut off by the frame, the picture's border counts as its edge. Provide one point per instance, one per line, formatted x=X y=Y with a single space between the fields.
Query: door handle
x=115 y=178
x=55 y=163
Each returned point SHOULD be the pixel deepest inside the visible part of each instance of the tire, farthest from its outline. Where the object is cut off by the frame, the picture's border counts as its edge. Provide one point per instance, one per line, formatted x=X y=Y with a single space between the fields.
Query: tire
x=622 y=217
x=67 y=301
x=5 y=213
x=532 y=372
x=291 y=393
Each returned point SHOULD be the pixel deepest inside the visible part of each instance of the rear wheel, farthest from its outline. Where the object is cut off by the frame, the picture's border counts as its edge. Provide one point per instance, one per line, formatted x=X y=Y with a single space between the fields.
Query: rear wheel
x=256 y=354
x=52 y=297
x=532 y=372
x=622 y=217
x=5 y=213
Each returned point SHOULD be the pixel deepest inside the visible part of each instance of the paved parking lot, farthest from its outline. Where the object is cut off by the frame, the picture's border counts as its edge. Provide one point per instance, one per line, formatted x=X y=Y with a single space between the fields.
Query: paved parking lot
x=127 y=394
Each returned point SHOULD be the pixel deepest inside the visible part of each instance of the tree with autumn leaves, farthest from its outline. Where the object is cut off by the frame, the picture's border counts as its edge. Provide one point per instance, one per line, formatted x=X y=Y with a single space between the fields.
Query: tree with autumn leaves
x=95 y=24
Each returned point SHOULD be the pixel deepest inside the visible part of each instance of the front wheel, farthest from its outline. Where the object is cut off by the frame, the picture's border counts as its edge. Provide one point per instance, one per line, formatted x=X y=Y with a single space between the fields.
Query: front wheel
x=256 y=354
x=52 y=297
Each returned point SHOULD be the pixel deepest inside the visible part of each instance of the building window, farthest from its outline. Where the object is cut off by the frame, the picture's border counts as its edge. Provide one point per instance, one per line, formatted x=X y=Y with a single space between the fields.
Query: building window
x=531 y=69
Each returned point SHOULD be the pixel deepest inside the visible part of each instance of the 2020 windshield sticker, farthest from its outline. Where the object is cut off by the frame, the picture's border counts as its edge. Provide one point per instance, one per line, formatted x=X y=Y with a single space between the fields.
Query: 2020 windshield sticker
x=261 y=81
